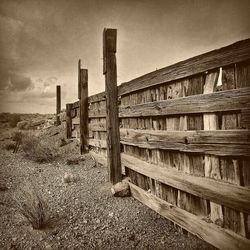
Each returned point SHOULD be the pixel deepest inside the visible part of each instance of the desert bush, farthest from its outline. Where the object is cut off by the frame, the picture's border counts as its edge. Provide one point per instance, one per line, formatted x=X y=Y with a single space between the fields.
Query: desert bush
x=17 y=136
x=32 y=206
x=23 y=125
x=14 y=119
x=10 y=146
x=35 y=150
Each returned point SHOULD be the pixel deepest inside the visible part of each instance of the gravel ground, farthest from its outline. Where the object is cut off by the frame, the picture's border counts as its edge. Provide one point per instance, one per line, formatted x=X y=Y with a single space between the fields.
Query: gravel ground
x=89 y=217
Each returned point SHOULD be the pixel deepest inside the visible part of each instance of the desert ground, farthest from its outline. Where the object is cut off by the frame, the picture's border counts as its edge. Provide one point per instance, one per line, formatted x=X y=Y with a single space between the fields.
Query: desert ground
x=73 y=195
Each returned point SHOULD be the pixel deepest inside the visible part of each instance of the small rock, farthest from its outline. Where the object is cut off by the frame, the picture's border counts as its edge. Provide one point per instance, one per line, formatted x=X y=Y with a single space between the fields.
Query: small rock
x=48 y=246
x=121 y=189
x=111 y=214
x=68 y=177
x=98 y=221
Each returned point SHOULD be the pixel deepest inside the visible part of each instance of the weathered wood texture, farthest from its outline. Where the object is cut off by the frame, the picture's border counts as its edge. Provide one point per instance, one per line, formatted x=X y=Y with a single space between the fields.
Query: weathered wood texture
x=203 y=187
x=84 y=122
x=112 y=120
x=192 y=128
x=79 y=80
x=68 y=121
x=230 y=100
x=58 y=104
x=220 y=142
x=207 y=231
x=185 y=141
x=231 y=54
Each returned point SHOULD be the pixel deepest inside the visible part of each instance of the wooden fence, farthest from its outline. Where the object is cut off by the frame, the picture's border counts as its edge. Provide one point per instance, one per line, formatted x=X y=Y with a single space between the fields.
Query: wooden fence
x=185 y=142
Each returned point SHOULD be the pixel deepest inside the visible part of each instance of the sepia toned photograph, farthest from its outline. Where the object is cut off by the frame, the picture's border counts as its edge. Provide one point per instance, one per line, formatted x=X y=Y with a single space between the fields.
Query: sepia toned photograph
x=124 y=124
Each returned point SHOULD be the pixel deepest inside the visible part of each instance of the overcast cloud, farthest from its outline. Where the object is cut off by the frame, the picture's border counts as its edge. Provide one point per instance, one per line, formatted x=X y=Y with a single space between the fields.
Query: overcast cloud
x=42 y=40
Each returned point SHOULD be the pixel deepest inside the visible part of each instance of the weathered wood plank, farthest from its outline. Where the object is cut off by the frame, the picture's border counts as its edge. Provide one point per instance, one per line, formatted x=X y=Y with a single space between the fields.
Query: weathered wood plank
x=209 y=232
x=230 y=100
x=98 y=126
x=98 y=143
x=75 y=105
x=234 y=220
x=79 y=80
x=97 y=113
x=68 y=121
x=217 y=142
x=217 y=191
x=237 y=52
x=76 y=121
x=212 y=165
x=58 y=104
x=112 y=119
x=97 y=97
x=84 y=120
x=100 y=158
x=239 y=136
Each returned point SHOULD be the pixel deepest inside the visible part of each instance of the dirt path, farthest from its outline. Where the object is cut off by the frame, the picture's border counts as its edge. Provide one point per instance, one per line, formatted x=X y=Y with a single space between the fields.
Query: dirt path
x=90 y=218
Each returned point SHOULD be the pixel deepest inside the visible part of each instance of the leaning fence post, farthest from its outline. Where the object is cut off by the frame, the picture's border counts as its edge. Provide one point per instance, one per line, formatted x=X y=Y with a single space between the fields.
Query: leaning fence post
x=112 y=119
x=68 y=120
x=58 y=104
x=84 y=118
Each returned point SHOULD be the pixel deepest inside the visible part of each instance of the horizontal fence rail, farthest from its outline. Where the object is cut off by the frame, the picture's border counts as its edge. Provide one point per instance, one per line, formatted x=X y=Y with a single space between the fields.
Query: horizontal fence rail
x=185 y=142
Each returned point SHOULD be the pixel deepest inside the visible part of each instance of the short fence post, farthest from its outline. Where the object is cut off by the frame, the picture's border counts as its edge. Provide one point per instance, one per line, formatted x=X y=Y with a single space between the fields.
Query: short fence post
x=68 y=120
x=84 y=118
x=112 y=119
x=58 y=104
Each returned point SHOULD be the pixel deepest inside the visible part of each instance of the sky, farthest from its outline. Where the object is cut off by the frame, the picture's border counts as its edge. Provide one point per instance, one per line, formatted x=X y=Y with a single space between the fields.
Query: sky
x=42 y=40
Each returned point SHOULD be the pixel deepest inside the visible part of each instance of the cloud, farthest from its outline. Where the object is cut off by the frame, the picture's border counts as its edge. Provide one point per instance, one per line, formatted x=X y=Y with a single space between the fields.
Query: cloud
x=19 y=82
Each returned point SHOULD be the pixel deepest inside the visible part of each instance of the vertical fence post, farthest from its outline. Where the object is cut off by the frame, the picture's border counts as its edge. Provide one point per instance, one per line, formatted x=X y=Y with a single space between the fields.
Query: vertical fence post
x=84 y=118
x=58 y=104
x=68 y=120
x=79 y=79
x=112 y=119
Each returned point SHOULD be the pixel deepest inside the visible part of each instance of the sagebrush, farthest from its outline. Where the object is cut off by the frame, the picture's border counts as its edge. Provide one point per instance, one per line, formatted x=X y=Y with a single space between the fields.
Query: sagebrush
x=36 y=150
x=17 y=137
x=32 y=206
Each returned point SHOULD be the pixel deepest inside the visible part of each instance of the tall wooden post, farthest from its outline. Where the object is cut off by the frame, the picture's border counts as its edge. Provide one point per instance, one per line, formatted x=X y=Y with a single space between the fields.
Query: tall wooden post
x=79 y=79
x=68 y=120
x=58 y=104
x=112 y=119
x=84 y=118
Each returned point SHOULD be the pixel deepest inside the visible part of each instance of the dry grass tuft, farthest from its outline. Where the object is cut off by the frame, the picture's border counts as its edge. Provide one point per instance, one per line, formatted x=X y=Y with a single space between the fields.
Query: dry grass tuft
x=10 y=146
x=32 y=206
x=35 y=150
x=17 y=136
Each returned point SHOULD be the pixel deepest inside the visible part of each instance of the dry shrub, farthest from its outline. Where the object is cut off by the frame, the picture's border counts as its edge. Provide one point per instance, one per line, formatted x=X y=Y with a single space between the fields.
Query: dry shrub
x=32 y=206
x=10 y=146
x=17 y=136
x=14 y=119
x=23 y=125
x=35 y=150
